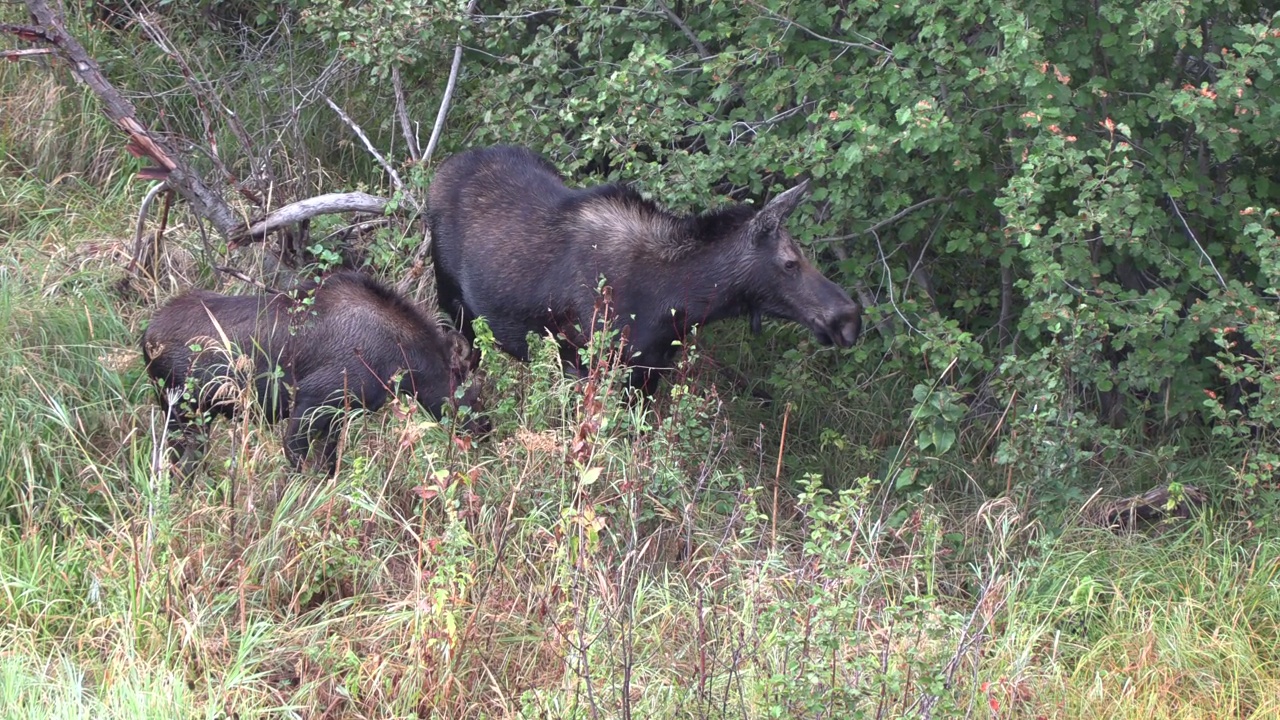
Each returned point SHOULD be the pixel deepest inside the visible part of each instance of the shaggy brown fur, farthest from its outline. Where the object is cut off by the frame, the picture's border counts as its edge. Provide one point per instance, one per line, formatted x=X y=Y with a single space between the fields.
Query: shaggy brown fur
x=343 y=342
x=513 y=244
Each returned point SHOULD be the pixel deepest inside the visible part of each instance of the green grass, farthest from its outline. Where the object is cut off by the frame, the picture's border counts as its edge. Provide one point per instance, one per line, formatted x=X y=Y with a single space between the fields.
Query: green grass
x=591 y=560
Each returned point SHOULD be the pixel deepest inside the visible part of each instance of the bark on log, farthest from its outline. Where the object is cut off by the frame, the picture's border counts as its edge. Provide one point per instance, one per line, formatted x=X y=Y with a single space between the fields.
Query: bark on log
x=309 y=208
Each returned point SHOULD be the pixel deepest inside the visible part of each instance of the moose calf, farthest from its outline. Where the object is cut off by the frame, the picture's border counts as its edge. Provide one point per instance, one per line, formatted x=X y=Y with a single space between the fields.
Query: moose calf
x=343 y=342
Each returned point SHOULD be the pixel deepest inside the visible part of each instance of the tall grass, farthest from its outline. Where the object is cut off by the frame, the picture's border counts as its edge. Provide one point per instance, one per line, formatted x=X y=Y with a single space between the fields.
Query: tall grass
x=595 y=559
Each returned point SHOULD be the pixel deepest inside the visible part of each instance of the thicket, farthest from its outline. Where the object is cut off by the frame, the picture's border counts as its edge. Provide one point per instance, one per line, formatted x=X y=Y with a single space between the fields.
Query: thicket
x=1060 y=216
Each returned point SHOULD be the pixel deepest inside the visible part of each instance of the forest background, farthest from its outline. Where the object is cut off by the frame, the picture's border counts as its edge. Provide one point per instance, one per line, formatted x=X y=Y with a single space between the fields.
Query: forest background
x=1043 y=485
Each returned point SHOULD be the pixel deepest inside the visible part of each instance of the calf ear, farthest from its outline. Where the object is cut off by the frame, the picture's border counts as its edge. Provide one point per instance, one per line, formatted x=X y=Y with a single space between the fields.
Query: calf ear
x=775 y=212
x=459 y=350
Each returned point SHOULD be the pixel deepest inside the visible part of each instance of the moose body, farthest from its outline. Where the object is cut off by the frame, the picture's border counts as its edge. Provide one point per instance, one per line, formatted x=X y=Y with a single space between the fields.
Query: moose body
x=346 y=341
x=513 y=244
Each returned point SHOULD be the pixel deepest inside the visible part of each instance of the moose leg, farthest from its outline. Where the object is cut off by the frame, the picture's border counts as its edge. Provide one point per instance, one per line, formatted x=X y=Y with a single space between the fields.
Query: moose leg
x=309 y=417
x=318 y=403
x=449 y=297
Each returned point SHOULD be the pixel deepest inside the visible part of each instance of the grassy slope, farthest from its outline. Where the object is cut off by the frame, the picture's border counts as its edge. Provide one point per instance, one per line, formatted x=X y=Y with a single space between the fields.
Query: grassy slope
x=573 y=567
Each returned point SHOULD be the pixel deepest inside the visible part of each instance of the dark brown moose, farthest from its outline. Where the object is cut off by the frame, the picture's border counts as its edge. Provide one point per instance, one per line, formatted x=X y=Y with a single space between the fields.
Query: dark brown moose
x=512 y=244
x=344 y=342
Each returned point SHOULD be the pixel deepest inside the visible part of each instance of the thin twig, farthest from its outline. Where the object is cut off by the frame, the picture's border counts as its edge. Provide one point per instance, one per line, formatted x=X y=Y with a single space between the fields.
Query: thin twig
x=918 y=270
x=693 y=39
x=232 y=272
x=896 y=217
x=141 y=225
x=1199 y=247
x=893 y=302
x=777 y=473
x=874 y=47
x=402 y=112
x=395 y=177
x=448 y=94
x=999 y=425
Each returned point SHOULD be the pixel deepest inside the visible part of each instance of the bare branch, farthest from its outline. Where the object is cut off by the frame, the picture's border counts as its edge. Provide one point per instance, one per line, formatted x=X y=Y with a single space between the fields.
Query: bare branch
x=1192 y=236
x=141 y=225
x=16 y=54
x=311 y=207
x=402 y=112
x=204 y=201
x=898 y=216
x=693 y=39
x=30 y=33
x=232 y=272
x=874 y=47
x=448 y=93
x=395 y=177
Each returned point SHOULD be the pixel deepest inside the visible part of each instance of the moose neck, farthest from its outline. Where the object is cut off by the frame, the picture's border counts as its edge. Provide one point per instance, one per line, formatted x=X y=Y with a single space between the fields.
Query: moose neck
x=709 y=282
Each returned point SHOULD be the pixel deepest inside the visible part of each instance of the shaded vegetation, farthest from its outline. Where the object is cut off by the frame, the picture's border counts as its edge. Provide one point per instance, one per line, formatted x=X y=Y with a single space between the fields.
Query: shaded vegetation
x=1061 y=219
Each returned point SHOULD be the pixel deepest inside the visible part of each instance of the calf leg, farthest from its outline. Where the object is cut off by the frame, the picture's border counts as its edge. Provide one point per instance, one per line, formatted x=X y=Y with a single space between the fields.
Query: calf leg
x=318 y=402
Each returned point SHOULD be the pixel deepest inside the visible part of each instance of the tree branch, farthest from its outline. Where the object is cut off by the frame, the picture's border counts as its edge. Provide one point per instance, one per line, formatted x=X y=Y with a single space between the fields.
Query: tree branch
x=898 y=216
x=395 y=177
x=675 y=20
x=448 y=93
x=29 y=52
x=402 y=112
x=1005 y=323
x=204 y=201
x=874 y=47
x=1192 y=236
x=309 y=208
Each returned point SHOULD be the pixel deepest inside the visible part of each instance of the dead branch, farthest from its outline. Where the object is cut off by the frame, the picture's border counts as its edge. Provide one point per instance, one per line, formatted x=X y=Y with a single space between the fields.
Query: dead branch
x=204 y=201
x=204 y=100
x=311 y=207
x=232 y=272
x=177 y=175
x=402 y=113
x=895 y=218
x=1192 y=237
x=448 y=93
x=30 y=33
x=17 y=54
x=141 y=226
x=368 y=144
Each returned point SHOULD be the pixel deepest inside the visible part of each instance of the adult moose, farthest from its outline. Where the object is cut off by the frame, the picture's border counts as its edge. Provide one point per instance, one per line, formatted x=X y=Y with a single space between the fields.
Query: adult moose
x=512 y=244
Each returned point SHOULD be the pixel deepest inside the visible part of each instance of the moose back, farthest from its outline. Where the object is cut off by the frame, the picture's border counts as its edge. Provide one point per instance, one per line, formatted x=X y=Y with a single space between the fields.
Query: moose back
x=512 y=244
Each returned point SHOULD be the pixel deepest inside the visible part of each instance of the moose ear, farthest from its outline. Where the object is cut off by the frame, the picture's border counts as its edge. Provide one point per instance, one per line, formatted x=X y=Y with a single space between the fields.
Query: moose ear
x=459 y=350
x=776 y=211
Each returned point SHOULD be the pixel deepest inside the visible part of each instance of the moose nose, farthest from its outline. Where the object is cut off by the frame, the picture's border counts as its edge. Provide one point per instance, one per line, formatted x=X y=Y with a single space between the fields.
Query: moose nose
x=844 y=328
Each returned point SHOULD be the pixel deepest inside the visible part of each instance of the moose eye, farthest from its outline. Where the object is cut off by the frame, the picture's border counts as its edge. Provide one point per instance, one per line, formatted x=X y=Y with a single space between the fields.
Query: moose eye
x=790 y=264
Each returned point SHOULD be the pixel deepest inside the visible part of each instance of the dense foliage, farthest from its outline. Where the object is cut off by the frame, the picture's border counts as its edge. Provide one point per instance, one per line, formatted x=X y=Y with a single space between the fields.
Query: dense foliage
x=1065 y=212
x=1063 y=215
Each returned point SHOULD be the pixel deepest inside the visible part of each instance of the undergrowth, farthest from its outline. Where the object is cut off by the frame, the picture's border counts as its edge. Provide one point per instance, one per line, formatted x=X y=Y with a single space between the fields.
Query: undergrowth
x=703 y=555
